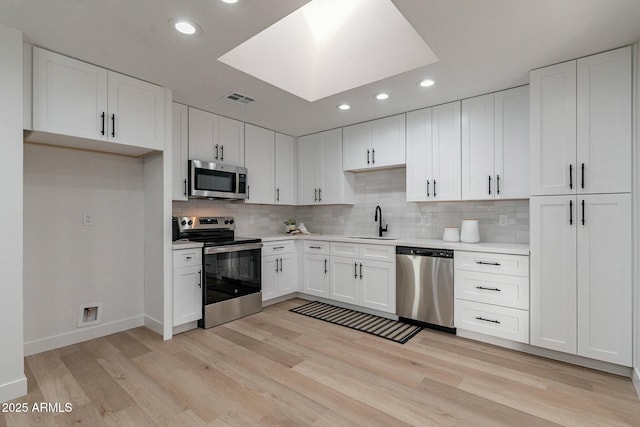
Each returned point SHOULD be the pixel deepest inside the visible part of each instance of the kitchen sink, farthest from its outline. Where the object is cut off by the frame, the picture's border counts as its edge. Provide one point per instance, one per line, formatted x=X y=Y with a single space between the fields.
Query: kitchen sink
x=373 y=238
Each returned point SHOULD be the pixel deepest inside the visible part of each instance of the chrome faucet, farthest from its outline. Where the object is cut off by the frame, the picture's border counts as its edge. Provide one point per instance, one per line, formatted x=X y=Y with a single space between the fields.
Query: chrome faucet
x=380 y=229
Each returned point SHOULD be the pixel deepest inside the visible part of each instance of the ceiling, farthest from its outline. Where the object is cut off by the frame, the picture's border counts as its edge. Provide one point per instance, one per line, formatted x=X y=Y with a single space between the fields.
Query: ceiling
x=482 y=46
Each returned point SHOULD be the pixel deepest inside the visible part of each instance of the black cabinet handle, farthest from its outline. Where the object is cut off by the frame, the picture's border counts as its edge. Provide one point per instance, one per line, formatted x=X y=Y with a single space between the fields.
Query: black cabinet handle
x=428 y=188
x=487 y=263
x=325 y=266
x=248 y=192
x=113 y=125
x=222 y=153
x=487 y=320
x=487 y=289
x=315 y=247
x=570 y=212
x=216 y=151
x=319 y=194
x=277 y=194
x=200 y=279
x=489 y=184
x=315 y=194
x=498 y=185
x=275 y=248
x=570 y=176
x=276 y=265
x=280 y=265
x=582 y=183
x=355 y=269
x=102 y=131
x=373 y=156
x=185 y=187
x=583 y=212
x=368 y=157
x=434 y=188
x=361 y=271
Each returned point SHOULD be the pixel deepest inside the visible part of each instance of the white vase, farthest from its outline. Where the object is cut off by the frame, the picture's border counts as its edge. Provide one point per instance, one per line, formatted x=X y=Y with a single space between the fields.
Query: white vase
x=470 y=232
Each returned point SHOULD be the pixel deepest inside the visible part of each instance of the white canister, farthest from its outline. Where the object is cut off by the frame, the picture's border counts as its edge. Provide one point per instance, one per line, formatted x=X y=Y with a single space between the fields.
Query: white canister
x=470 y=232
x=451 y=234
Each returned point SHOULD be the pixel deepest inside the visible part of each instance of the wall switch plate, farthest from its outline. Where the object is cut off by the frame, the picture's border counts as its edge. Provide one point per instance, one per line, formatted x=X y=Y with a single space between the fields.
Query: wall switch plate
x=88 y=219
x=503 y=220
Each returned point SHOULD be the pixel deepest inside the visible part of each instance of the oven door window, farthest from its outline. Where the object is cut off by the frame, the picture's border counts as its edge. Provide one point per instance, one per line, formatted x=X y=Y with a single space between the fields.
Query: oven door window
x=231 y=274
x=214 y=180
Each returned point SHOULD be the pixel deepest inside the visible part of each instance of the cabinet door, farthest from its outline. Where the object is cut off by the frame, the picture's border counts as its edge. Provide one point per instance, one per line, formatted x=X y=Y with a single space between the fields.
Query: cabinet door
x=388 y=141
x=316 y=275
x=287 y=274
x=553 y=272
x=203 y=135
x=604 y=278
x=307 y=165
x=356 y=148
x=378 y=284
x=69 y=96
x=419 y=158
x=511 y=143
x=478 y=180
x=285 y=165
x=445 y=121
x=260 y=144
x=329 y=174
x=136 y=112
x=553 y=129
x=231 y=141
x=269 y=276
x=187 y=295
x=180 y=146
x=604 y=122
x=345 y=282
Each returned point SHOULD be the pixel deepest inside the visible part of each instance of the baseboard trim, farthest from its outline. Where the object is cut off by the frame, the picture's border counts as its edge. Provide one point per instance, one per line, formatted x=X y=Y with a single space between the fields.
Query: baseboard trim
x=154 y=324
x=10 y=391
x=82 y=334
x=549 y=354
x=279 y=299
x=635 y=379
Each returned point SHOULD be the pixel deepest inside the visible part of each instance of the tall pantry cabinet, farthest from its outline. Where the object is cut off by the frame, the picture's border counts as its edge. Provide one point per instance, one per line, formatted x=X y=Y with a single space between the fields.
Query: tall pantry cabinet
x=581 y=289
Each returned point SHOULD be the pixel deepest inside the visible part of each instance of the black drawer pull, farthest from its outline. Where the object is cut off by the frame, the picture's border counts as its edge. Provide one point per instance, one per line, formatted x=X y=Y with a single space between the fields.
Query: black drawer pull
x=487 y=289
x=487 y=263
x=278 y=247
x=487 y=320
x=315 y=247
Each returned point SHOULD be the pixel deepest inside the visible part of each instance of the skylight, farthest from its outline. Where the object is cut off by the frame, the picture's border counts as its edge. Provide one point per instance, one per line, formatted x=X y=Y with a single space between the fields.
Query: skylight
x=330 y=46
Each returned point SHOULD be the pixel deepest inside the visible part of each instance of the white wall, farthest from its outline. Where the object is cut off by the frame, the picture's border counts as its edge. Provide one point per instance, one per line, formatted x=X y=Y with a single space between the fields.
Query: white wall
x=636 y=224
x=68 y=264
x=12 y=380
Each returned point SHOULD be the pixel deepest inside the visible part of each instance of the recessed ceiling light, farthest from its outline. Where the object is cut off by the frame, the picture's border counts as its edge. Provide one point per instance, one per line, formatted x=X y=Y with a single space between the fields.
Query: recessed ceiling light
x=381 y=96
x=344 y=107
x=185 y=26
x=426 y=83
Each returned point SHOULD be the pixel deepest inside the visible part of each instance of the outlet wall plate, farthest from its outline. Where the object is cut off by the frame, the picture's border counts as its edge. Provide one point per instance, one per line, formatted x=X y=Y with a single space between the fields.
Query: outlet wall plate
x=90 y=314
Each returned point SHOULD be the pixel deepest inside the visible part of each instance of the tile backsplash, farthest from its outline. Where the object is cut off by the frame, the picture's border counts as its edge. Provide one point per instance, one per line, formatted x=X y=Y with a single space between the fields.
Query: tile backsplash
x=386 y=188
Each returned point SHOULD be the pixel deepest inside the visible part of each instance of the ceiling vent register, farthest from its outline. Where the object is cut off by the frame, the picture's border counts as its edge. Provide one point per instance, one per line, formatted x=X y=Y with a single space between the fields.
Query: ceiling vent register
x=240 y=98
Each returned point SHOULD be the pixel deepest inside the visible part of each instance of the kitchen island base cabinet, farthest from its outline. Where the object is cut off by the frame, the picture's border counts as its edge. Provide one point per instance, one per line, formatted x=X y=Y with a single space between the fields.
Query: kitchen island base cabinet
x=187 y=286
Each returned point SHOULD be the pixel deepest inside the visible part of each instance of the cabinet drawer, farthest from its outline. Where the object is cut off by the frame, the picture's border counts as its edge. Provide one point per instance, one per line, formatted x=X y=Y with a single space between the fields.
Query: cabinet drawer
x=378 y=252
x=187 y=257
x=498 y=289
x=279 y=247
x=515 y=265
x=502 y=322
x=344 y=249
x=316 y=247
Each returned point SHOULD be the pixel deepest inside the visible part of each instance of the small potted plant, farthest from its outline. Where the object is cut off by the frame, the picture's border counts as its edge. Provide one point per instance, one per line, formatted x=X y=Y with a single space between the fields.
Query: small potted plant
x=290 y=224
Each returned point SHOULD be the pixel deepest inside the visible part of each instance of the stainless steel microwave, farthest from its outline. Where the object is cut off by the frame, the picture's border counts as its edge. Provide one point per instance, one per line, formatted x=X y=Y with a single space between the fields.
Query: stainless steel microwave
x=213 y=180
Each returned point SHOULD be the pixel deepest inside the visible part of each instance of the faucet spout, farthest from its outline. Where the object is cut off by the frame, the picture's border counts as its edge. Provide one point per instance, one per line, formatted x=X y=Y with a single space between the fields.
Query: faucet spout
x=380 y=228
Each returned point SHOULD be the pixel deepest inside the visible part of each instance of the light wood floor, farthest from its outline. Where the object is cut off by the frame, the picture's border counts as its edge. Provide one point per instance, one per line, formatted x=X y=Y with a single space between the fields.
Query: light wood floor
x=281 y=368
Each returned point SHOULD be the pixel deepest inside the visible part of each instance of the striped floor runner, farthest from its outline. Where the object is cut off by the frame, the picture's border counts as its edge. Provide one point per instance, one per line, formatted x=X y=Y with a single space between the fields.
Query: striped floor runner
x=390 y=329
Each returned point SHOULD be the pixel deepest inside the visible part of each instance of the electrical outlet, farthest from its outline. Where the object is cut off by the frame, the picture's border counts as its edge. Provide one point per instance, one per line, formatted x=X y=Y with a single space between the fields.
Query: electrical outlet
x=341 y=219
x=503 y=220
x=251 y=219
x=88 y=219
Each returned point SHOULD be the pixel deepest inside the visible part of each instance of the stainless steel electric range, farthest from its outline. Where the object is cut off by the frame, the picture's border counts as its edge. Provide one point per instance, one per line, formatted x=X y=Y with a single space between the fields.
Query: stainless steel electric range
x=232 y=277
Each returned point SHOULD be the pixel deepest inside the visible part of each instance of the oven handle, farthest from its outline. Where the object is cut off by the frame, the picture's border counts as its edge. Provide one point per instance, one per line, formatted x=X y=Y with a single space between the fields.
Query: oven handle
x=232 y=248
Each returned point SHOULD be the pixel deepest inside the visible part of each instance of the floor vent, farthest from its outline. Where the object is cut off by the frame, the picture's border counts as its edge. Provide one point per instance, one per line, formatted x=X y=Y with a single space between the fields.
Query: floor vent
x=240 y=98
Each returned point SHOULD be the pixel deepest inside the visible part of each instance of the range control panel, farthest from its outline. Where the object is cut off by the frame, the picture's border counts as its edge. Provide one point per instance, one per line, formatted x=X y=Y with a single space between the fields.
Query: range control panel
x=186 y=223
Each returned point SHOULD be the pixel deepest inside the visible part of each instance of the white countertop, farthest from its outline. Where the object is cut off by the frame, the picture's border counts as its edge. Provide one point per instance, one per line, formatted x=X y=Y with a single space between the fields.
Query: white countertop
x=500 y=248
x=186 y=244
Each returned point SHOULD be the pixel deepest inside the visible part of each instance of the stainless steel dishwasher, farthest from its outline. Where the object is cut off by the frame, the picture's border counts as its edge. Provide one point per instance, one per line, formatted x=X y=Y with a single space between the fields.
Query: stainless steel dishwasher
x=424 y=286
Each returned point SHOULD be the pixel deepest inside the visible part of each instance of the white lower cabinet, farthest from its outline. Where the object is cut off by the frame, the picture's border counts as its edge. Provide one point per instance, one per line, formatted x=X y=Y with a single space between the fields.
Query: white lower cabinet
x=344 y=280
x=492 y=294
x=315 y=269
x=279 y=269
x=187 y=286
x=581 y=275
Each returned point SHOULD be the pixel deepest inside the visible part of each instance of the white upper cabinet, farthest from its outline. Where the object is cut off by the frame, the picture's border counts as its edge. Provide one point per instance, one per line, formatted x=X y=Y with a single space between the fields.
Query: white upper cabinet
x=180 y=145
x=77 y=99
x=495 y=145
x=375 y=144
x=286 y=167
x=260 y=149
x=581 y=125
x=320 y=178
x=433 y=153
x=215 y=139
